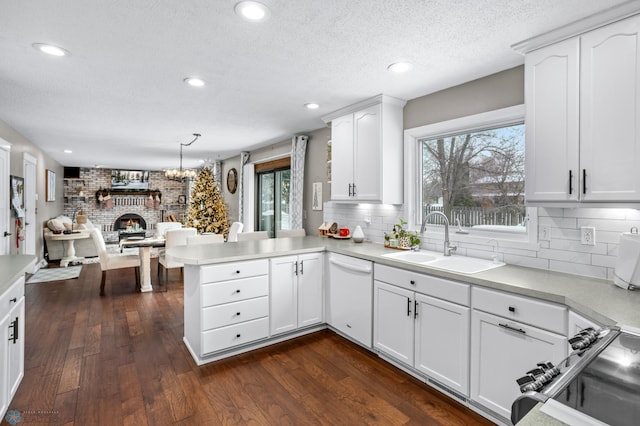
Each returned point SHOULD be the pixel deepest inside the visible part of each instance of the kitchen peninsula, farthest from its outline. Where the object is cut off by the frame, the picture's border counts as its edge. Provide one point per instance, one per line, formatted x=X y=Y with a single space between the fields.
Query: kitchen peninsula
x=234 y=295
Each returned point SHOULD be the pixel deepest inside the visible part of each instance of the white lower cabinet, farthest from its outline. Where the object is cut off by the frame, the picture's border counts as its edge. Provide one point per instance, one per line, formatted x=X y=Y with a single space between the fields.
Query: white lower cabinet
x=296 y=293
x=11 y=343
x=350 y=295
x=393 y=326
x=426 y=333
x=504 y=349
x=225 y=306
x=442 y=342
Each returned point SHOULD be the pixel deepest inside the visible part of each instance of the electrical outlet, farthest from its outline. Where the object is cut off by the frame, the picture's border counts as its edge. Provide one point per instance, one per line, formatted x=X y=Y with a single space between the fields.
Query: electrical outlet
x=545 y=233
x=588 y=235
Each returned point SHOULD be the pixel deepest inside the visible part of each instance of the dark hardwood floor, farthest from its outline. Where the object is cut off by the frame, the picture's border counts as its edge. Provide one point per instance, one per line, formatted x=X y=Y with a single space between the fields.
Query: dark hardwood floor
x=120 y=360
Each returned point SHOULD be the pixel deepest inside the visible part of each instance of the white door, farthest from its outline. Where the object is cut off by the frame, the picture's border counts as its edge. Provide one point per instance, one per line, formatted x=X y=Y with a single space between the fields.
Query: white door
x=442 y=342
x=28 y=246
x=503 y=351
x=393 y=321
x=610 y=112
x=342 y=158
x=552 y=122
x=310 y=289
x=283 y=295
x=367 y=150
x=5 y=236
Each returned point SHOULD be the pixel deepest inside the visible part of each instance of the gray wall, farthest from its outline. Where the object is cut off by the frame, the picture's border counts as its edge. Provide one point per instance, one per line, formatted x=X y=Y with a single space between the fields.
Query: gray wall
x=489 y=93
x=44 y=210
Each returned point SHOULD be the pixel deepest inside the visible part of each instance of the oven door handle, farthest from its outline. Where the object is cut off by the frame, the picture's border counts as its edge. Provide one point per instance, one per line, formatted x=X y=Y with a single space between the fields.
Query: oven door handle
x=508 y=327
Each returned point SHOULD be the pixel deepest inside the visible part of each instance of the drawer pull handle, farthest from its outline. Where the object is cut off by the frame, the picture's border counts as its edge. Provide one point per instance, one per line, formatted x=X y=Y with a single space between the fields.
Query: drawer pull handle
x=238 y=291
x=508 y=327
x=412 y=282
x=237 y=272
x=14 y=300
x=237 y=314
x=238 y=336
x=512 y=309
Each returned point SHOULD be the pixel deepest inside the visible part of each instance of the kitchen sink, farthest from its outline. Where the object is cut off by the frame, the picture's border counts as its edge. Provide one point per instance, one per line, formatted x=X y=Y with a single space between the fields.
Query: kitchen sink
x=465 y=265
x=461 y=264
x=412 y=256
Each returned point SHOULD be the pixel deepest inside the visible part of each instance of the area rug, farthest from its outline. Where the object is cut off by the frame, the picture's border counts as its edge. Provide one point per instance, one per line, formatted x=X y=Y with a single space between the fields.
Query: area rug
x=55 y=274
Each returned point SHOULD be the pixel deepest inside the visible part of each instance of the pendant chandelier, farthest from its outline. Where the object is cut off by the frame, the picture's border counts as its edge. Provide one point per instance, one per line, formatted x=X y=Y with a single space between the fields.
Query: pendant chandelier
x=182 y=174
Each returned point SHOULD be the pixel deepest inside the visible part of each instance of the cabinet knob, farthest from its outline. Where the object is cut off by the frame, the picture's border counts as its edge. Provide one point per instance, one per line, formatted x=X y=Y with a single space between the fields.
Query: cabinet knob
x=512 y=309
x=237 y=336
x=412 y=282
x=237 y=314
x=238 y=271
x=238 y=291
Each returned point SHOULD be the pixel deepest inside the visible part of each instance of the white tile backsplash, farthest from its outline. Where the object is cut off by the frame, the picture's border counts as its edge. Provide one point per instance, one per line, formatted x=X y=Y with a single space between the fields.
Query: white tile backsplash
x=563 y=252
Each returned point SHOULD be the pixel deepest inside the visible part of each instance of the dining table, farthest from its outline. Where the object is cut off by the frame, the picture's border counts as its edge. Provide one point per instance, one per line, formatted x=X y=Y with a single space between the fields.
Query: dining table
x=144 y=246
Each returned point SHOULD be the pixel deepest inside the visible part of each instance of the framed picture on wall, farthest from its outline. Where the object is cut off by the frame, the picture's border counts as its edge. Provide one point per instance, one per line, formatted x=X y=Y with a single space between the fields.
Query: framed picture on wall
x=17 y=196
x=316 y=203
x=50 y=185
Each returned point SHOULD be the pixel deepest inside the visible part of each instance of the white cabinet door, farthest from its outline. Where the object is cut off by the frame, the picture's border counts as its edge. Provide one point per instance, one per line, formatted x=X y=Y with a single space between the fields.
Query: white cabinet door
x=284 y=295
x=351 y=297
x=342 y=158
x=4 y=364
x=442 y=342
x=393 y=327
x=610 y=112
x=501 y=352
x=15 y=351
x=310 y=289
x=367 y=151
x=552 y=122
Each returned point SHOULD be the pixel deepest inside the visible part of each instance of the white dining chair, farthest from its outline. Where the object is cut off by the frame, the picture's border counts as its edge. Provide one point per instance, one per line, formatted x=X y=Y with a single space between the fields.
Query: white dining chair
x=290 y=233
x=173 y=237
x=236 y=227
x=163 y=227
x=205 y=239
x=255 y=235
x=109 y=261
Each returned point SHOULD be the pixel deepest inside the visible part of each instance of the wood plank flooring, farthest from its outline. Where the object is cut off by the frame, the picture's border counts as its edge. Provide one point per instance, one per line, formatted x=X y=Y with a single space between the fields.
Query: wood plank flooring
x=120 y=360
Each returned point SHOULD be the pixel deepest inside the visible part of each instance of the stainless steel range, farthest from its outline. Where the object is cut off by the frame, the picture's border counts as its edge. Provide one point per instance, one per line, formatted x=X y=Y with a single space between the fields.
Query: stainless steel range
x=598 y=383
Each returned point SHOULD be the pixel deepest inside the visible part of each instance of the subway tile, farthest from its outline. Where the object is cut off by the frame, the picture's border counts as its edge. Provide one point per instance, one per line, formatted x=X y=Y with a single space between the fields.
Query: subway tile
x=577 y=269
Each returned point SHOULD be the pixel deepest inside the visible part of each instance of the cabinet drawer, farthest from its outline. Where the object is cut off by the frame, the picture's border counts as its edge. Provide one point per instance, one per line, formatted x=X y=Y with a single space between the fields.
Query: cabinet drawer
x=233 y=313
x=231 y=271
x=235 y=290
x=12 y=296
x=234 y=335
x=426 y=284
x=519 y=308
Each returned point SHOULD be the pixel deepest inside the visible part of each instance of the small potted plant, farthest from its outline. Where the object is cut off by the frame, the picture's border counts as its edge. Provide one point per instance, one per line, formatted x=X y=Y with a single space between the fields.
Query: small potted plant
x=400 y=237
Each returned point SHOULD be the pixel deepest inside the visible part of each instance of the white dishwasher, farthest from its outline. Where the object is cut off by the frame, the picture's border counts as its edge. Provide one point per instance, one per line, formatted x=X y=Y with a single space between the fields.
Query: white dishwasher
x=350 y=292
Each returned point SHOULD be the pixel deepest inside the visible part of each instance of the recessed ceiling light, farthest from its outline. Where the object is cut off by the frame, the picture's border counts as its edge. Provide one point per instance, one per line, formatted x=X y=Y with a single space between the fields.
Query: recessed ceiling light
x=51 y=49
x=194 y=81
x=252 y=11
x=312 y=105
x=67 y=151
x=400 y=67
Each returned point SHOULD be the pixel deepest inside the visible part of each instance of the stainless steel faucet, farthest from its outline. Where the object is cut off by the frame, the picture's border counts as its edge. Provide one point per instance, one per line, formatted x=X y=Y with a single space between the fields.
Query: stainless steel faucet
x=448 y=248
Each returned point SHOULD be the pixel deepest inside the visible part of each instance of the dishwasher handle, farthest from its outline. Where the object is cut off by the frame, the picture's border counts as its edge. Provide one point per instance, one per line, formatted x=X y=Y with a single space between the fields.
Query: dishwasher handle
x=350 y=267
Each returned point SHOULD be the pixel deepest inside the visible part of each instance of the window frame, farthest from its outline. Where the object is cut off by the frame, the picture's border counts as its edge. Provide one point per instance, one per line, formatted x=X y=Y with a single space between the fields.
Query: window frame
x=413 y=180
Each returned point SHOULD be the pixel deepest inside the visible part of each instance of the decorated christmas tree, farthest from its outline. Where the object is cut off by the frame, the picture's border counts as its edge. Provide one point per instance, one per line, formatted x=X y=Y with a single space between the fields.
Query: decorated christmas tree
x=207 y=210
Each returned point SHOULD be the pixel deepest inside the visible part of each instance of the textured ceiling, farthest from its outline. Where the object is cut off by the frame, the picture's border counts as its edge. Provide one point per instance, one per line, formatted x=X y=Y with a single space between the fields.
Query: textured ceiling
x=119 y=100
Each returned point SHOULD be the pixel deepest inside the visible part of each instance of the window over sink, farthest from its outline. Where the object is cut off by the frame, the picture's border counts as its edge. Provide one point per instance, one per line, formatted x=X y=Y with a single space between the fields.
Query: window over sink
x=472 y=169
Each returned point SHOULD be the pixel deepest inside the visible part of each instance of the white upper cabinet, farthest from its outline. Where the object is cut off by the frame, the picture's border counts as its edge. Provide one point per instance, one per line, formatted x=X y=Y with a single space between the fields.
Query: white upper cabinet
x=583 y=117
x=366 y=151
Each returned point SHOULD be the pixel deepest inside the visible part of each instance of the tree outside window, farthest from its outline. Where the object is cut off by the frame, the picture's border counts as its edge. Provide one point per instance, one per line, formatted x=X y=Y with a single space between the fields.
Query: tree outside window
x=476 y=177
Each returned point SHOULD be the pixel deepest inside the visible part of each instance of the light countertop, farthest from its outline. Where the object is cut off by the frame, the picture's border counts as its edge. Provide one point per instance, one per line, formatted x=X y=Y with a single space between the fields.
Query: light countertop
x=594 y=298
x=11 y=267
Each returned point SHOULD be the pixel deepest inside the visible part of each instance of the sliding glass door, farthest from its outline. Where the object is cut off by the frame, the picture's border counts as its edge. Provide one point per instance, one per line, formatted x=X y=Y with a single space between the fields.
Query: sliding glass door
x=273 y=200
